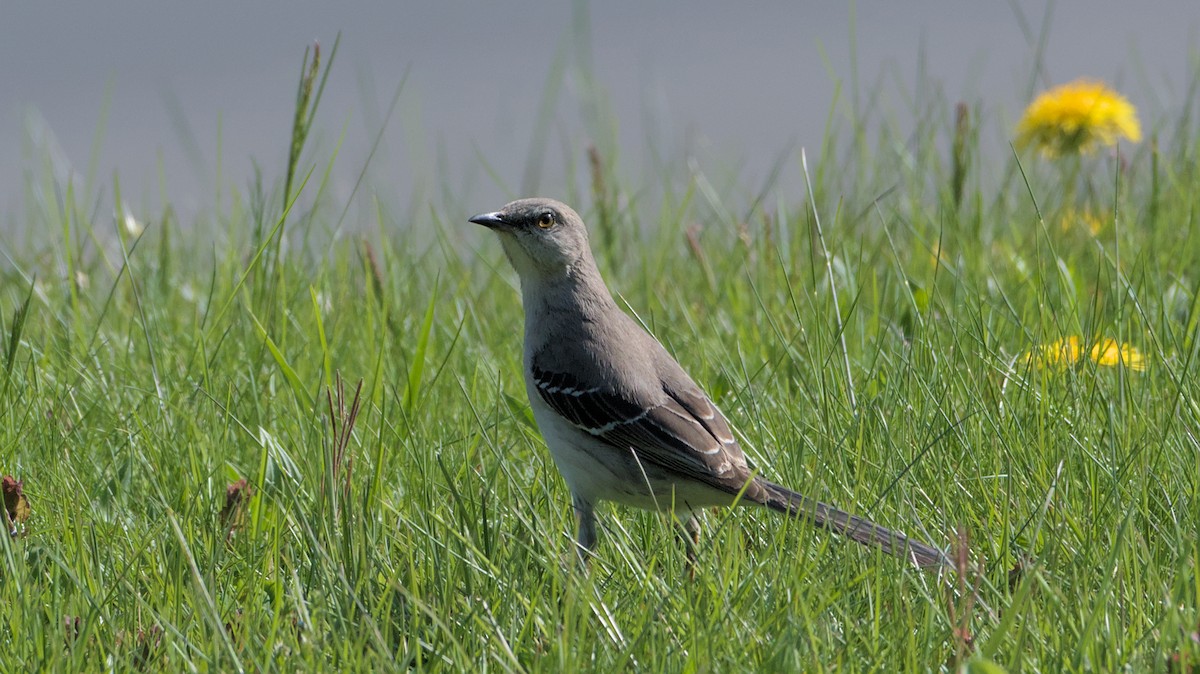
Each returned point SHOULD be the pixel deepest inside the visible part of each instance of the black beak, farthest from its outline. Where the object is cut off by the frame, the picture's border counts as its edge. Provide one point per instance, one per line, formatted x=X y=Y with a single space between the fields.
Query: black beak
x=490 y=220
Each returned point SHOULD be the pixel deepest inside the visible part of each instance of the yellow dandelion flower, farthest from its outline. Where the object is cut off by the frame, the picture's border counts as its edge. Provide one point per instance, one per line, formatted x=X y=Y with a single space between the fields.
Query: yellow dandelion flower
x=1092 y=221
x=1069 y=351
x=1108 y=352
x=1074 y=118
x=1063 y=352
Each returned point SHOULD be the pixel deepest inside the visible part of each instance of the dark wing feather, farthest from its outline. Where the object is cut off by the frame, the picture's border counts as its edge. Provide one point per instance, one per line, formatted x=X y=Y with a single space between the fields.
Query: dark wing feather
x=680 y=432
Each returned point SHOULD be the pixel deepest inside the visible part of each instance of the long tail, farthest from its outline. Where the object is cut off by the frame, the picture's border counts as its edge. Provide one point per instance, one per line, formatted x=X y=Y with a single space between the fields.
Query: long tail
x=861 y=530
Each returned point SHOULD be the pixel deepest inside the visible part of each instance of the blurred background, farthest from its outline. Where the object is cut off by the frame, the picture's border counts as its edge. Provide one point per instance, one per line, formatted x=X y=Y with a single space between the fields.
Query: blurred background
x=186 y=103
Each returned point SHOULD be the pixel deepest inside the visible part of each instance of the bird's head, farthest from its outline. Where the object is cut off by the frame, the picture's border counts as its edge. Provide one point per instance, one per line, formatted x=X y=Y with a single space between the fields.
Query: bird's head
x=542 y=237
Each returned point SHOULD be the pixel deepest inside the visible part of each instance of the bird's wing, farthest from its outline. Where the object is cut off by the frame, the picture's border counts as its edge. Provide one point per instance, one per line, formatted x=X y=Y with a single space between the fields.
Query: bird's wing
x=680 y=431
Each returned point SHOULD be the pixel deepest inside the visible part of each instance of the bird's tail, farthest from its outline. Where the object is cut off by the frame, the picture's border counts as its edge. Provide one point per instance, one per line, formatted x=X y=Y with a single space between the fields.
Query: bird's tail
x=861 y=530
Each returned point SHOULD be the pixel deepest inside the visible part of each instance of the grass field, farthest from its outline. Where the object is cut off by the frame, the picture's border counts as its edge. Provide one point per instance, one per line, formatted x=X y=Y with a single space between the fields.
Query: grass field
x=885 y=342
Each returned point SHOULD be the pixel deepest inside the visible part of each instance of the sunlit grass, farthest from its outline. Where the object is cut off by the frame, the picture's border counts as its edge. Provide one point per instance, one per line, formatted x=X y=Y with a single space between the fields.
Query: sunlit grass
x=155 y=369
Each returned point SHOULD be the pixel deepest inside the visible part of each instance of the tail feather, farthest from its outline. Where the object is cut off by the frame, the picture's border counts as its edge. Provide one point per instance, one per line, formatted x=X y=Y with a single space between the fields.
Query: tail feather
x=853 y=527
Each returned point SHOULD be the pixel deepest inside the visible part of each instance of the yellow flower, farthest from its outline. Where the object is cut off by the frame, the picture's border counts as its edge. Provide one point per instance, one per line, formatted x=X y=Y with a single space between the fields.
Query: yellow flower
x=1074 y=118
x=1059 y=352
x=1072 y=218
x=1068 y=351
x=1108 y=352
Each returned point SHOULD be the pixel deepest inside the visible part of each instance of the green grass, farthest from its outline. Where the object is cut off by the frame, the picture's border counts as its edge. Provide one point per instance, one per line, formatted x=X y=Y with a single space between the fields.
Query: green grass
x=150 y=373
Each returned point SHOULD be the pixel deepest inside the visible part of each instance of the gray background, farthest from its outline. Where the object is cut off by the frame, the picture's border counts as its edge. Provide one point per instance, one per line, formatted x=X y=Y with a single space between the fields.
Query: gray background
x=729 y=85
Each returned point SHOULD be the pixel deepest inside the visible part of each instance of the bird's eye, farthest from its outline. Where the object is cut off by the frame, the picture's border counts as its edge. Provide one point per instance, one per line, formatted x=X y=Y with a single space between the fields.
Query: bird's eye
x=546 y=220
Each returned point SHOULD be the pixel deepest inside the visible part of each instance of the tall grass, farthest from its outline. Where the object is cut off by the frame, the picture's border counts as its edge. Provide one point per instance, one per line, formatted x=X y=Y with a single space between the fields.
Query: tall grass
x=212 y=489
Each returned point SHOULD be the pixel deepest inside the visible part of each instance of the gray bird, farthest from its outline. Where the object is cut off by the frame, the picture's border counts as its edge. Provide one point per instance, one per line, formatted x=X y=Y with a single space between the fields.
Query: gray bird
x=622 y=419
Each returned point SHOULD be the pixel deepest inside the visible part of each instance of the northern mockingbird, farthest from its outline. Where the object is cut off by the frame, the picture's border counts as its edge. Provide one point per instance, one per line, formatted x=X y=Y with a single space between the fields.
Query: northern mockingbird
x=622 y=419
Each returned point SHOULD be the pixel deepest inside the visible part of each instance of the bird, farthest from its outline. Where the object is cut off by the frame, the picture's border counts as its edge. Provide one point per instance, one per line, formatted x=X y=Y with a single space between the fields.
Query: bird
x=623 y=421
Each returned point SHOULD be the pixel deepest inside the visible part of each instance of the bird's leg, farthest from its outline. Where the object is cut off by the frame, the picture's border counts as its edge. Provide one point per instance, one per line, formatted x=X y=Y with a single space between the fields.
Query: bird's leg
x=688 y=528
x=585 y=540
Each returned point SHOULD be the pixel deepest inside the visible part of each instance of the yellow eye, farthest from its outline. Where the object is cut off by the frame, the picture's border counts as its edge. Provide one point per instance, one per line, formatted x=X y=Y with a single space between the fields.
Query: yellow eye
x=546 y=220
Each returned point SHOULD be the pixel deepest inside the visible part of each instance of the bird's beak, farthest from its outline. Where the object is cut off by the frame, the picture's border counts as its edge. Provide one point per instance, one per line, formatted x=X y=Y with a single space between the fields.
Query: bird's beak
x=490 y=220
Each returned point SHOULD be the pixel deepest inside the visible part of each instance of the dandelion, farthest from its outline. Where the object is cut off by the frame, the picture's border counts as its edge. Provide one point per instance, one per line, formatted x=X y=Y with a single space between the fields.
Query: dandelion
x=1069 y=351
x=1076 y=117
x=1092 y=221
x=1109 y=353
x=1059 y=352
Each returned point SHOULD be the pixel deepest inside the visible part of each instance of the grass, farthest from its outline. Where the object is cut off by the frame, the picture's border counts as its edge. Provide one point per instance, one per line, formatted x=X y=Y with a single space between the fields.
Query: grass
x=418 y=523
